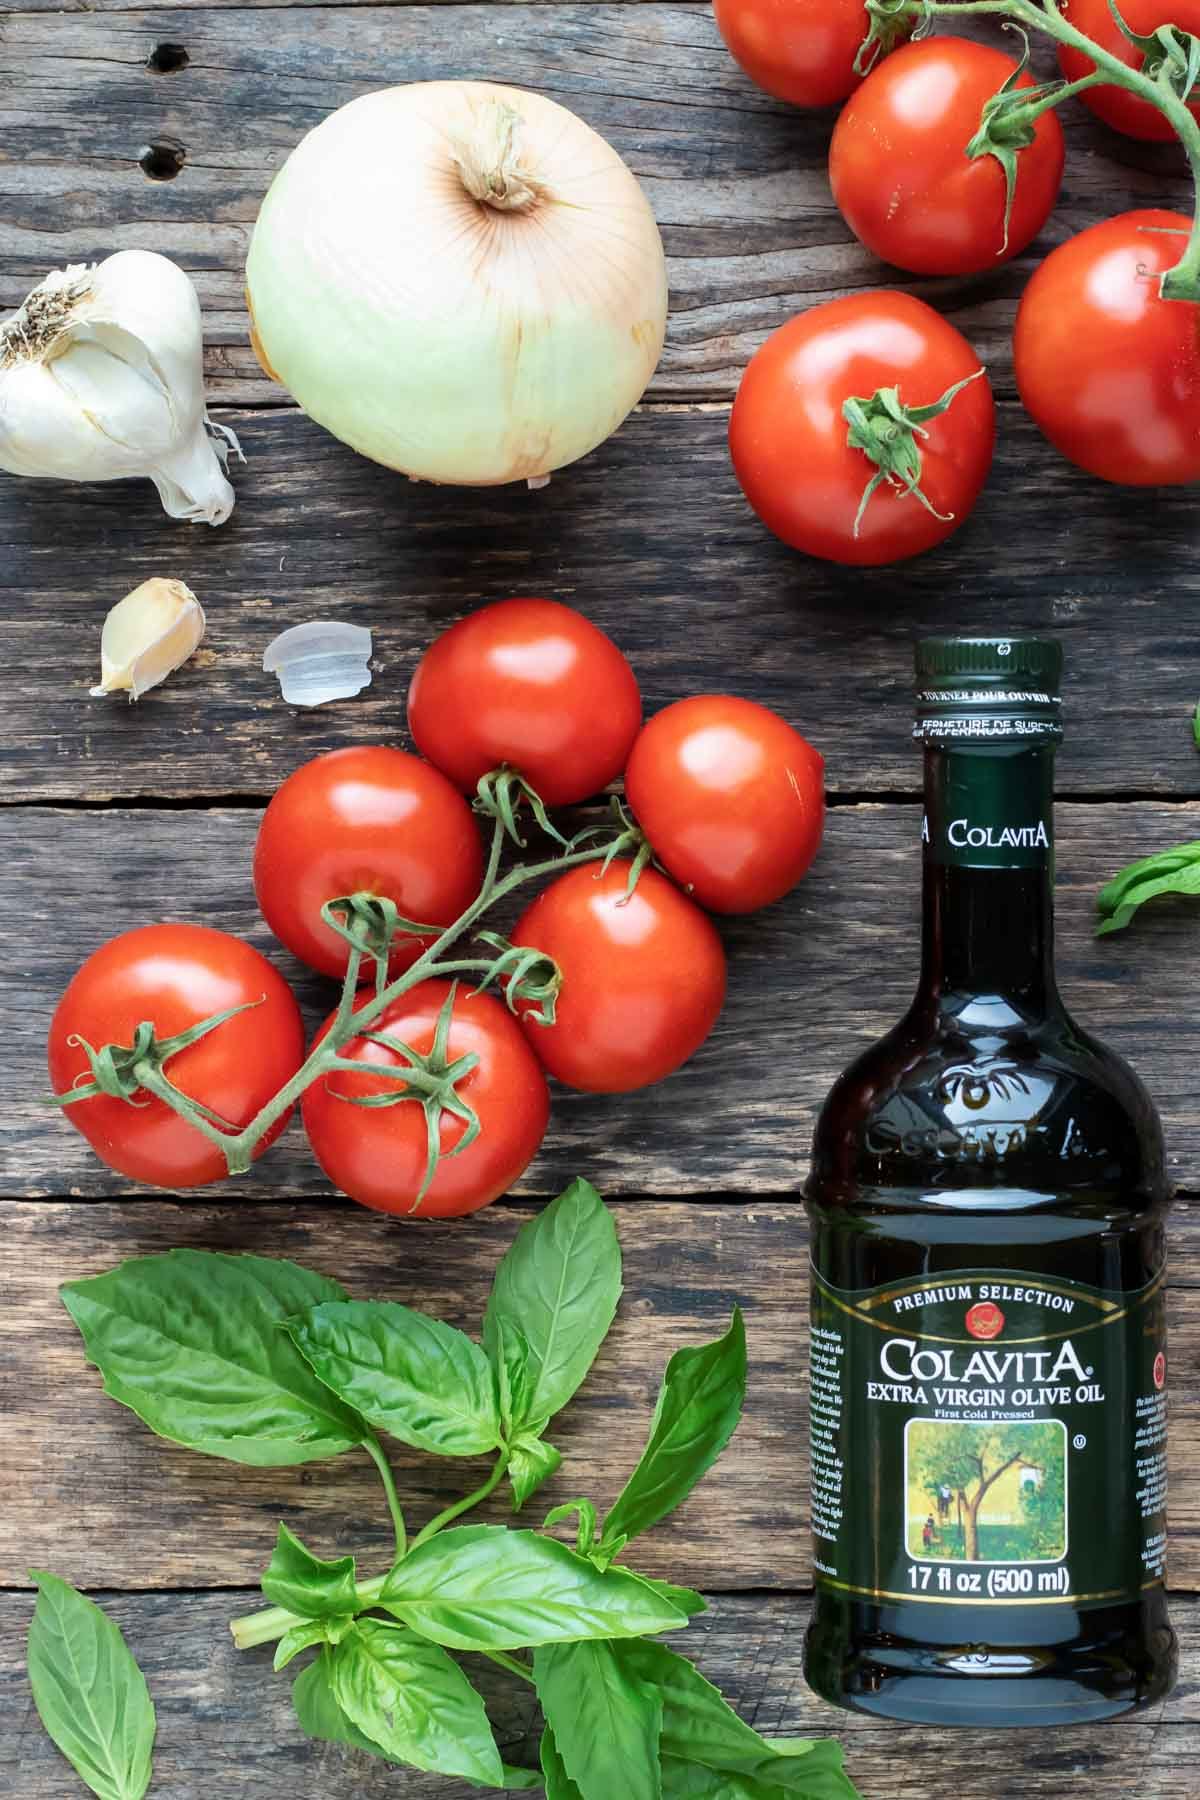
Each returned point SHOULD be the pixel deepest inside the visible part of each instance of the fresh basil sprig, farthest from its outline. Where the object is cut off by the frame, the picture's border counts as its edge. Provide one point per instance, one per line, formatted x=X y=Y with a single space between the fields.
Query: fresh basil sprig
x=1174 y=871
x=257 y=1360
x=90 y=1694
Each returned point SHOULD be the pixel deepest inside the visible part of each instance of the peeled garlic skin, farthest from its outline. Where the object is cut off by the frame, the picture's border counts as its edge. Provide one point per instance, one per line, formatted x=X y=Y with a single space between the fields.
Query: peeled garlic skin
x=441 y=336
x=149 y=633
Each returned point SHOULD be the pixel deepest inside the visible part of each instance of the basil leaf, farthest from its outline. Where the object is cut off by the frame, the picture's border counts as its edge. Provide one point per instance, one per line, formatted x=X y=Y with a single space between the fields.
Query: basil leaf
x=531 y=1461
x=486 y=1587
x=191 y=1342
x=684 y=1600
x=514 y=1382
x=699 y=1405
x=412 y=1376
x=89 y=1692
x=1174 y=871
x=606 y=1723
x=512 y=1780
x=557 y=1287
x=414 y=1701
x=584 y=1514
x=300 y=1638
x=301 y=1583
x=318 y=1711
x=558 y=1783
x=691 y=1781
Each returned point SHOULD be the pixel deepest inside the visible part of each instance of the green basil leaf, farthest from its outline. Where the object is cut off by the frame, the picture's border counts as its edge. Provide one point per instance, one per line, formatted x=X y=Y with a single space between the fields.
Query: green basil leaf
x=699 y=1405
x=320 y=1715
x=1174 y=871
x=691 y=1781
x=606 y=1723
x=192 y=1343
x=558 y=1287
x=89 y=1692
x=557 y=1782
x=302 y=1583
x=531 y=1461
x=301 y=1637
x=414 y=1701
x=584 y=1513
x=514 y=1380
x=684 y=1600
x=407 y=1374
x=513 y=1781
x=485 y=1587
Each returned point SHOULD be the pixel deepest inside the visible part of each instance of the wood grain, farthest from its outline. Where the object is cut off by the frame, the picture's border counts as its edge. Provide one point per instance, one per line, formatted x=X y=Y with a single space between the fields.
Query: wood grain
x=225 y=1722
x=91 y=1493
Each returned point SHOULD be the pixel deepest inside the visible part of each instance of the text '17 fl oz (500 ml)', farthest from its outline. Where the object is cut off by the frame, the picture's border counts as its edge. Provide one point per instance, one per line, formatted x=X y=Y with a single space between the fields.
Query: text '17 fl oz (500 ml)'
x=987 y=1197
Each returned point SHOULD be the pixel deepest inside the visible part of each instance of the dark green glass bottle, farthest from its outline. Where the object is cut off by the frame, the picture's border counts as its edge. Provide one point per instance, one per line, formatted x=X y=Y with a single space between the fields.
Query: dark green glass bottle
x=987 y=1200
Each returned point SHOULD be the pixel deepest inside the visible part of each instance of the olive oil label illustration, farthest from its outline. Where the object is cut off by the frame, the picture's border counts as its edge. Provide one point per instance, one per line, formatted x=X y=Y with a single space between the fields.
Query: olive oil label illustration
x=1008 y=1443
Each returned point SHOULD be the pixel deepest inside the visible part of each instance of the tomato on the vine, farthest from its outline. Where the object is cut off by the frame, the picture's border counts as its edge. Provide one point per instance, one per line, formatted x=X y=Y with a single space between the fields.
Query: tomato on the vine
x=378 y=1154
x=1107 y=367
x=1124 y=111
x=904 y=179
x=530 y=685
x=799 y=50
x=364 y=820
x=791 y=442
x=643 y=977
x=730 y=798
x=174 y=977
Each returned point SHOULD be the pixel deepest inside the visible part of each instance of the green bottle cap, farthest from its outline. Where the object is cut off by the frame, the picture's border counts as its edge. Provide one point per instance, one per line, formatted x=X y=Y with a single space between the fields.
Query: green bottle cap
x=984 y=689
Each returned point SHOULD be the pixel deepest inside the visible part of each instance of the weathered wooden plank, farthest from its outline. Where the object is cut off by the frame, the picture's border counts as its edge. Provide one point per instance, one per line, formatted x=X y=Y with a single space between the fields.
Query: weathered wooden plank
x=812 y=981
x=225 y=1724
x=90 y=1492
x=736 y=179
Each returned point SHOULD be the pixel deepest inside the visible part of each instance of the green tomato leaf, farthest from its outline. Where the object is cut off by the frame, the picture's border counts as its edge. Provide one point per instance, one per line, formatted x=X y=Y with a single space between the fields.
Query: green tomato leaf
x=414 y=1701
x=699 y=1405
x=1174 y=871
x=318 y=1711
x=407 y=1374
x=192 y=1343
x=89 y=1692
x=300 y=1637
x=606 y=1723
x=558 y=1288
x=531 y=1462
x=485 y=1587
x=557 y=1782
x=301 y=1583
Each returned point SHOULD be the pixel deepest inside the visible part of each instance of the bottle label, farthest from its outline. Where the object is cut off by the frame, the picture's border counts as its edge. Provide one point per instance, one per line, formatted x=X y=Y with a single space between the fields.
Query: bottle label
x=990 y=811
x=988 y=1438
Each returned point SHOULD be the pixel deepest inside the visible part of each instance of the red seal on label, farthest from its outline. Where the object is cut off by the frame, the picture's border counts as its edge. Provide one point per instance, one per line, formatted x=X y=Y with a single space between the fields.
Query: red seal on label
x=985 y=1320
x=1160 y=1371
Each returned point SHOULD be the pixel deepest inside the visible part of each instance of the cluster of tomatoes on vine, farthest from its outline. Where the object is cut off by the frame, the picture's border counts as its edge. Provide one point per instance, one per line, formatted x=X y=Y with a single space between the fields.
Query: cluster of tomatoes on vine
x=178 y=1050
x=863 y=429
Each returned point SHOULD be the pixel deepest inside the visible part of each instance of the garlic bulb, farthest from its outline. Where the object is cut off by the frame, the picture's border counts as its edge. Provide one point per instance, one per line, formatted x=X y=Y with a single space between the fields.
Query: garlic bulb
x=101 y=377
x=146 y=635
x=461 y=280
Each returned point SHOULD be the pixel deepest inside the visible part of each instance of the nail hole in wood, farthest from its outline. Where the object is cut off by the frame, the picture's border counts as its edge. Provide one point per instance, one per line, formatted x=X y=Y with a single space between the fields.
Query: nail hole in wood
x=162 y=158
x=166 y=59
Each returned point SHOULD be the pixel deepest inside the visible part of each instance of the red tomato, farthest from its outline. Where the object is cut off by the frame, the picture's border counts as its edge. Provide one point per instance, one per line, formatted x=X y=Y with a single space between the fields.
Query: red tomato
x=798 y=50
x=377 y=1155
x=643 y=979
x=731 y=799
x=900 y=173
x=368 y=820
x=1118 y=108
x=1108 y=368
x=788 y=434
x=531 y=685
x=175 y=976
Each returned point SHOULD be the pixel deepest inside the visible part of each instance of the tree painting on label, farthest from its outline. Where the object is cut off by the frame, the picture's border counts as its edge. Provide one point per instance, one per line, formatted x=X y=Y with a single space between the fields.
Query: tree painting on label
x=986 y=1492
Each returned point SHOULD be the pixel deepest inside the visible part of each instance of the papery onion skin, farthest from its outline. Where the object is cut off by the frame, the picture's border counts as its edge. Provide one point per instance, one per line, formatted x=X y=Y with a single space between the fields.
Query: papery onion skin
x=456 y=339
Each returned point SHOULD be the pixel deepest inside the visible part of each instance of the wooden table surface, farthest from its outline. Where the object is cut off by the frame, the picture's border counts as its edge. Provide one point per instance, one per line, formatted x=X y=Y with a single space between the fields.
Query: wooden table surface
x=114 y=815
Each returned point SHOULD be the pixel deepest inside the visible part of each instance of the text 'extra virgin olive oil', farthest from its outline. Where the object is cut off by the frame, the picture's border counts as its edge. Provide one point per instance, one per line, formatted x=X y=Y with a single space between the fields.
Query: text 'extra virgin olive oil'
x=987 y=1197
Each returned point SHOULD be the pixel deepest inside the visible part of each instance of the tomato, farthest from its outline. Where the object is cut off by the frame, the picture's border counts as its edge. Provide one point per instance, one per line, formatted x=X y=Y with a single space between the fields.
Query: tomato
x=643 y=978
x=377 y=1154
x=900 y=173
x=1118 y=108
x=174 y=976
x=368 y=820
x=531 y=685
x=731 y=799
x=788 y=434
x=799 y=50
x=1108 y=368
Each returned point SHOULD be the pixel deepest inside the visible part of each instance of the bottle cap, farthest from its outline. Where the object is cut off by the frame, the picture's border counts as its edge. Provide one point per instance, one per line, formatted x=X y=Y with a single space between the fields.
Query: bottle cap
x=983 y=689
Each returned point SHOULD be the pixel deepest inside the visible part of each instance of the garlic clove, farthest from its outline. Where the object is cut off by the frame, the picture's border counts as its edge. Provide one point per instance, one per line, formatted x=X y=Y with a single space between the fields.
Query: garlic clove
x=148 y=634
x=323 y=659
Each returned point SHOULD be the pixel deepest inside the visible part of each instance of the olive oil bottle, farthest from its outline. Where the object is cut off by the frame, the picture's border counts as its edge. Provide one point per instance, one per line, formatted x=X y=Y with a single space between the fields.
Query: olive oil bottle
x=987 y=1200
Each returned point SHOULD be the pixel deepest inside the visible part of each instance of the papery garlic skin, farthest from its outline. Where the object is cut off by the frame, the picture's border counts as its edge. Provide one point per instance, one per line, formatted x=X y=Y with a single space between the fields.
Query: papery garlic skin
x=146 y=635
x=461 y=280
x=101 y=377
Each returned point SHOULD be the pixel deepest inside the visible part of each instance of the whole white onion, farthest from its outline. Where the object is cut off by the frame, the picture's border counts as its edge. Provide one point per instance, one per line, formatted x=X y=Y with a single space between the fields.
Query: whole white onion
x=461 y=280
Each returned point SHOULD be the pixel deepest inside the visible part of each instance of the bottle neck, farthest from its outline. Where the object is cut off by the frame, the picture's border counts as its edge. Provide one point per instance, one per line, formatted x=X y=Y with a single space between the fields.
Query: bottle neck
x=988 y=919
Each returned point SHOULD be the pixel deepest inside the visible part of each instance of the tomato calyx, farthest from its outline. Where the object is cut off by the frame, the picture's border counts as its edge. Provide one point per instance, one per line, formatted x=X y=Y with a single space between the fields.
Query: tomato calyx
x=1171 y=55
x=125 y=1071
x=889 y=23
x=886 y=431
x=500 y=795
x=1008 y=124
x=625 y=838
x=370 y=923
x=527 y=978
